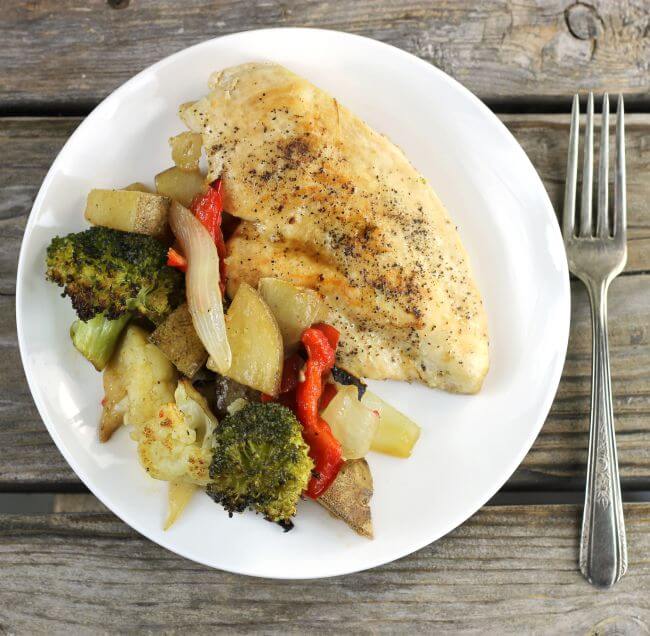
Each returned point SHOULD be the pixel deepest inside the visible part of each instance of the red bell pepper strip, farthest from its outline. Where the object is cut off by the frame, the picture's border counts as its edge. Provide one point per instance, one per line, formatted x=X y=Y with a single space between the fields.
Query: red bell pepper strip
x=329 y=332
x=290 y=372
x=329 y=391
x=324 y=448
x=174 y=259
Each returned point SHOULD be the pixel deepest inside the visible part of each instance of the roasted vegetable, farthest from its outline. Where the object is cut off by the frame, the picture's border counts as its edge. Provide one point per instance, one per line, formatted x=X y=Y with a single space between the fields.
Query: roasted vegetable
x=220 y=392
x=180 y=185
x=109 y=272
x=260 y=461
x=255 y=342
x=96 y=339
x=176 y=444
x=208 y=208
x=138 y=186
x=320 y=343
x=348 y=498
x=353 y=424
x=177 y=339
x=186 y=150
x=137 y=382
x=396 y=434
x=294 y=308
x=344 y=377
x=129 y=210
x=115 y=403
x=178 y=496
x=204 y=299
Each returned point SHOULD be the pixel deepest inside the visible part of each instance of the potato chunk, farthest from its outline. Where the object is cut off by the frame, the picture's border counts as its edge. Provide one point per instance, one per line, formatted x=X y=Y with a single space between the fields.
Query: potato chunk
x=294 y=308
x=255 y=342
x=348 y=498
x=129 y=211
x=180 y=185
x=186 y=150
x=178 y=340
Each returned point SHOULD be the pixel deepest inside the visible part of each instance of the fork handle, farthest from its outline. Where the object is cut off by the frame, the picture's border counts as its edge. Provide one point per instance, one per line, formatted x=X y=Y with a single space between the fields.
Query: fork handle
x=603 y=551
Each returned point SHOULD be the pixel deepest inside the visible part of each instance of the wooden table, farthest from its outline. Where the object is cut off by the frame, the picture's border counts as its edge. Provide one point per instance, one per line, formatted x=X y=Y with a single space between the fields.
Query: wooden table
x=511 y=568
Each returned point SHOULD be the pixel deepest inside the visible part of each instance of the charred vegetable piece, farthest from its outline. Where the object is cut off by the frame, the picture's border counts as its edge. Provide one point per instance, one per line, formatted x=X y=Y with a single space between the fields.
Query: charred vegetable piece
x=177 y=339
x=113 y=273
x=260 y=461
x=221 y=392
x=129 y=211
x=348 y=498
x=344 y=377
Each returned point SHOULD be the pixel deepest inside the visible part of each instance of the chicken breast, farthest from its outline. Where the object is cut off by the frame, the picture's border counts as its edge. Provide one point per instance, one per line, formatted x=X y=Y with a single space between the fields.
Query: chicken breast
x=330 y=204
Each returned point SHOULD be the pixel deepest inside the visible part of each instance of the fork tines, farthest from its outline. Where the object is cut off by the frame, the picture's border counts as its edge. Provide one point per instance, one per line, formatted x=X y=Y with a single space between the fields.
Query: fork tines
x=585 y=226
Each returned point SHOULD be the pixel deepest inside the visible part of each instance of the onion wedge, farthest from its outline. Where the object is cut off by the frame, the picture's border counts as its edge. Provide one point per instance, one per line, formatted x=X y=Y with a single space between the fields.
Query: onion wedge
x=202 y=279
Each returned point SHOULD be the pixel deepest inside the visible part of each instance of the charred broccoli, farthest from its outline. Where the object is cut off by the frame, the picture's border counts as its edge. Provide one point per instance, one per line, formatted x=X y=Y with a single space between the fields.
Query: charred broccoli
x=260 y=461
x=112 y=273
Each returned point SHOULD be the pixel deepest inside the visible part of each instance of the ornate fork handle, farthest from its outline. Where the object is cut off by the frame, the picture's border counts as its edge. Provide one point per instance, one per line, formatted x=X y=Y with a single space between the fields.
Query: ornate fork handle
x=603 y=551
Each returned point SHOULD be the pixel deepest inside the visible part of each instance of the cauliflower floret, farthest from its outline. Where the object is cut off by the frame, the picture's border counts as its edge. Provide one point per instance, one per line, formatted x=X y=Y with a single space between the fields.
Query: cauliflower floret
x=138 y=380
x=176 y=445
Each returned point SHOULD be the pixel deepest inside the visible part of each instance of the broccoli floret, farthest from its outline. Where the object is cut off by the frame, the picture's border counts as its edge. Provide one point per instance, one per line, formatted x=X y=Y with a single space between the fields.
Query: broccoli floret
x=96 y=339
x=110 y=272
x=260 y=461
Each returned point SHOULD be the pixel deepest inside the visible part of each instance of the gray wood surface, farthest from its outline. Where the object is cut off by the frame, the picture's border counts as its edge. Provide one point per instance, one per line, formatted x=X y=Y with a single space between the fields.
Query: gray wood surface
x=68 y=55
x=508 y=570
x=557 y=461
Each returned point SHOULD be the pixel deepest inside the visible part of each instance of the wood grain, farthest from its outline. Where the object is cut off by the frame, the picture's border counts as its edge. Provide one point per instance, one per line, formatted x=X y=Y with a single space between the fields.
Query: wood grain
x=70 y=54
x=508 y=570
x=558 y=458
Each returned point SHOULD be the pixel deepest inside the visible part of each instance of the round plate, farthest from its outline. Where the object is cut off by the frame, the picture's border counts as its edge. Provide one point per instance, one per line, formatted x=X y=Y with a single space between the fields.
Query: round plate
x=469 y=445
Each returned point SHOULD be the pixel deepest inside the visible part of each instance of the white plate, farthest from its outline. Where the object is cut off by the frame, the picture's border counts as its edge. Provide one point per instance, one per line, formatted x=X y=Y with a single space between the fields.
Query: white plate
x=469 y=446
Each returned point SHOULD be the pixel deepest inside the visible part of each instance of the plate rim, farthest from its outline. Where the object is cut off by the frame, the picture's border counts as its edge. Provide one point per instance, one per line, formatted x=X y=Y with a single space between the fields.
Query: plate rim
x=561 y=349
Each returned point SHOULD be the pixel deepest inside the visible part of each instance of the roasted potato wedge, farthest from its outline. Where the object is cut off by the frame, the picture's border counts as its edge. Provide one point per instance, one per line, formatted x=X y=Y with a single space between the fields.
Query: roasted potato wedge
x=180 y=185
x=177 y=339
x=348 y=498
x=129 y=211
x=255 y=342
x=294 y=308
x=186 y=150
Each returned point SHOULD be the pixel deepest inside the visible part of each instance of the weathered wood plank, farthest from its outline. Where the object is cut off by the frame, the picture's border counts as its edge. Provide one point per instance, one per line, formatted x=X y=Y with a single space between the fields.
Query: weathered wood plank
x=507 y=570
x=27 y=147
x=29 y=459
x=61 y=54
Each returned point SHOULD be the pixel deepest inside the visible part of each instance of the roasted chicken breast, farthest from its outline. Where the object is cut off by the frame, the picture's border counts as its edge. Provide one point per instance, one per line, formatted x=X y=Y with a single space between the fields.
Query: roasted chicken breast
x=330 y=204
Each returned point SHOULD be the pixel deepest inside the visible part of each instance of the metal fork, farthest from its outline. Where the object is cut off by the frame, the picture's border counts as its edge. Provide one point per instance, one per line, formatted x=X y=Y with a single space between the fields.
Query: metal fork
x=597 y=255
